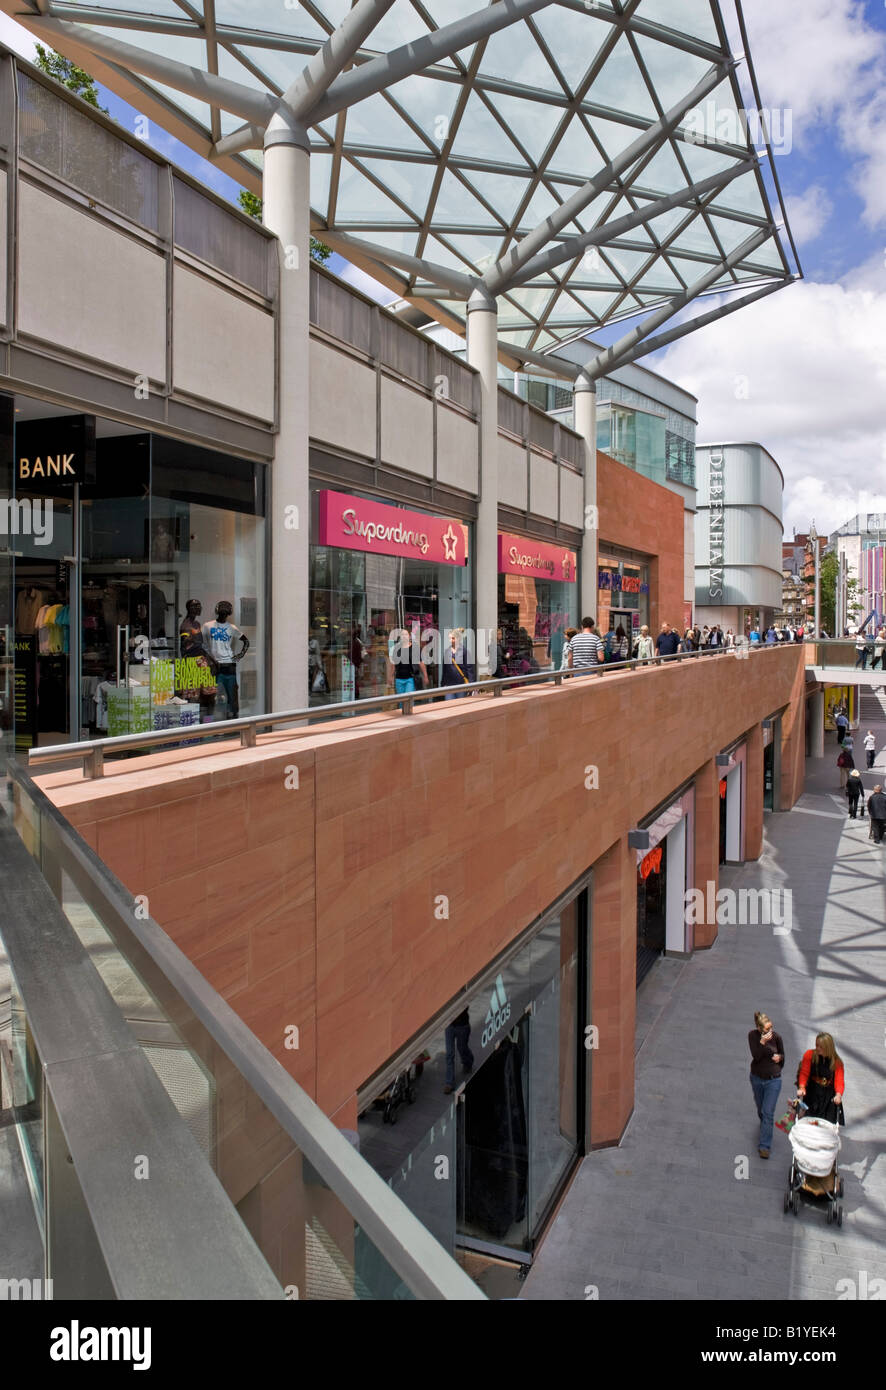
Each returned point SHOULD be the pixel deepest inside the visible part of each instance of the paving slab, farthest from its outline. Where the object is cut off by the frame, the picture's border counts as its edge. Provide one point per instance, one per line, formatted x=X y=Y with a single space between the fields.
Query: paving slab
x=666 y=1215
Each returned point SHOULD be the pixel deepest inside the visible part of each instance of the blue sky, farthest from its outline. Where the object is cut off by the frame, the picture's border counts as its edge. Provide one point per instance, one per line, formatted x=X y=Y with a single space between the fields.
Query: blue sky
x=804 y=371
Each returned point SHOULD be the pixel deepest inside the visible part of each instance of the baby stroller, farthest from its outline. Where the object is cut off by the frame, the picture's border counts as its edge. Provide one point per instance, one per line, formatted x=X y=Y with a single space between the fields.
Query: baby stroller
x=815 y=1144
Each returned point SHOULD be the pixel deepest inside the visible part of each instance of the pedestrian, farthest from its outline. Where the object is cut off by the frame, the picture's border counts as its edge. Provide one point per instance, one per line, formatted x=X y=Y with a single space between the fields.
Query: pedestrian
x=667 y=641
x=730 y=639
x=687 y=643
x=457 y=1034
x=585 y=649
x=845 y=763
x=877 y=813
x=820 y=1081
x=404 y=662
x=870 y=747
x=879 y=649
x=842 y=723
x=767 y=1060
x=861 y=648
x=570 y=633
x=645 y=646
x=854 y=790
x=457 y=669
x=755 y=635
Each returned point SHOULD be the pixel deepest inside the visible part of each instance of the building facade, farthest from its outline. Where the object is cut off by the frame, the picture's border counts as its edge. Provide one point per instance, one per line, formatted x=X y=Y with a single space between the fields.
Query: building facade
x=738 y=537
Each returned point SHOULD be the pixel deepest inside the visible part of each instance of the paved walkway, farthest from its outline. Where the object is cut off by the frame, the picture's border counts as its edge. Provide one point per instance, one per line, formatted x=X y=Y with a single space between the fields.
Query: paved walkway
x=665 y=1216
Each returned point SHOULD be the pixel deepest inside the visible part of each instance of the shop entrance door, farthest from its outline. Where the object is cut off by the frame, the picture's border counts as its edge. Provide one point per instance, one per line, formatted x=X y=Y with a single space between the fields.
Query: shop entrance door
x=45 y=591
x=622 y=617
x=652 y=908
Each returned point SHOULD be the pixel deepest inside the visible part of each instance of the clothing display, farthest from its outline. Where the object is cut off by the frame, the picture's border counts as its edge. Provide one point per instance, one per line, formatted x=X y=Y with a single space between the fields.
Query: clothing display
x=27 y=605
x=218 y=639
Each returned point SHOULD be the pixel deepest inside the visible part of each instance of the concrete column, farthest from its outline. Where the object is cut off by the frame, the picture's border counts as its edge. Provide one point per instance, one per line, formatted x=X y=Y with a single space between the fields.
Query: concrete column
x=815 y=706
x=707 y=853
x=754 y=784
x=286 y=192
x=585 y=401
x=613 y=993
x=482 y=340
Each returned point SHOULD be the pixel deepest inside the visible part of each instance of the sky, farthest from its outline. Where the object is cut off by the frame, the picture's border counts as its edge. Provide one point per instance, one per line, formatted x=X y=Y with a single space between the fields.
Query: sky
x=804 y=371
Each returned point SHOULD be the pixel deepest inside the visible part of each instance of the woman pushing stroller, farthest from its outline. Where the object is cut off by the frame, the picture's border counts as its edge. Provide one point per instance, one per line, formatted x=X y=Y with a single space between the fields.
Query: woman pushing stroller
x=820 y=1081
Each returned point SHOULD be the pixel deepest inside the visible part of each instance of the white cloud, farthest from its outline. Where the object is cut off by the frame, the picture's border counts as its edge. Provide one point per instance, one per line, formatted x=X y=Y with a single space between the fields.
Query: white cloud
x=823 y=61
x=803 y=373
x=808 y=212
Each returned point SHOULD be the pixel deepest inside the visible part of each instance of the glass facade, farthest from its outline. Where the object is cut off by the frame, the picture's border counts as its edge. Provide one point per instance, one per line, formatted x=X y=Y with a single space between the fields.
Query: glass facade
x=623 y=593
x=361 y=601
x=533 y=615
x=133 y=592
x=509 y=1128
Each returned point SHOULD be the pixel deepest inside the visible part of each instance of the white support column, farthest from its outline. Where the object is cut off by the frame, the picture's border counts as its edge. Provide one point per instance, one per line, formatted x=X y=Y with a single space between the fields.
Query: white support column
x=286 y=191
x=482 y=340
x=585 y=402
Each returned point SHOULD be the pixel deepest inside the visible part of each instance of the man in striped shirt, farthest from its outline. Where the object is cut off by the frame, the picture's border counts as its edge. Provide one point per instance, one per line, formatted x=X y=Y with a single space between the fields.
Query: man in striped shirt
x=584 y=649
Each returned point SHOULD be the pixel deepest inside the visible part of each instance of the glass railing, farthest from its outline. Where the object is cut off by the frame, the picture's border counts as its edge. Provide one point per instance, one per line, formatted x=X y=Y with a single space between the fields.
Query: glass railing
x=303 y=1215
x=844 y=655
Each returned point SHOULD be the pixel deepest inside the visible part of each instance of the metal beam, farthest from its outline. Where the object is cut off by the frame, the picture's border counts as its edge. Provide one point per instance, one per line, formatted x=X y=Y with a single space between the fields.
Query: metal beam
x=557 y=366
x=500 y=276
x=414 y=57
x=337 y=52
x=216 y=91
x=611 y=357
x=452 y=279
x=610 y=231
x=247 y=137
x=700 y=321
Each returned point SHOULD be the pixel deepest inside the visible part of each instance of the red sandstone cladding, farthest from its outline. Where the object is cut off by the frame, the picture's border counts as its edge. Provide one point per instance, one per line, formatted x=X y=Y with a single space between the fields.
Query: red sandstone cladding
x=481 y=801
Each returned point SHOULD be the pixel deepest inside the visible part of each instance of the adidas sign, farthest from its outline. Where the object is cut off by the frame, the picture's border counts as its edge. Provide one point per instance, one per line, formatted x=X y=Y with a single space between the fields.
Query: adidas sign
x=498 y=1013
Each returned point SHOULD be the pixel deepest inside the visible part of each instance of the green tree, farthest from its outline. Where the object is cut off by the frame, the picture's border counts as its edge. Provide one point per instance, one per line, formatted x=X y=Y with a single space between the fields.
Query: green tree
x=251 y=203
x=827 y=581
x=69 y=75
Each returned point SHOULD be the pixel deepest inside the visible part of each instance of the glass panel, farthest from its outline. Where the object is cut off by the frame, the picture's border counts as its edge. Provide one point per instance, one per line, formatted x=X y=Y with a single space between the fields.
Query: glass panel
x=479 y=131
x=621 y=86
x=267 y=15
x=553 y=1061
x=494 y=1144
x=8 y=524
x=311 y=1240
x=27 y=1094
x=375 y=122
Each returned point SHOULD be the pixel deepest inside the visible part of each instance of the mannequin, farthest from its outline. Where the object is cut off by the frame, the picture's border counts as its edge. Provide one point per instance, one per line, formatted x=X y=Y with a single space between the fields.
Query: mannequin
x=190 y=629
x=218 y=639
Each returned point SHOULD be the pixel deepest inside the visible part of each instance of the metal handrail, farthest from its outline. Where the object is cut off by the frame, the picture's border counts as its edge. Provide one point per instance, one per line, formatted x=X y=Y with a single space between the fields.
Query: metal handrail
x=90 y=753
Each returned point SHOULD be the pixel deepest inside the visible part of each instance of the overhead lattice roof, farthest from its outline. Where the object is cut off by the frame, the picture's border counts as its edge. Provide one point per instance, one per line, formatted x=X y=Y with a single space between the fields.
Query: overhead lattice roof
x=435 y=176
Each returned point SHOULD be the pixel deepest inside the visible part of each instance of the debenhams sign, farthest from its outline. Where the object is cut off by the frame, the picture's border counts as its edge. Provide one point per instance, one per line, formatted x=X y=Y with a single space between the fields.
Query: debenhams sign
x=715 y=534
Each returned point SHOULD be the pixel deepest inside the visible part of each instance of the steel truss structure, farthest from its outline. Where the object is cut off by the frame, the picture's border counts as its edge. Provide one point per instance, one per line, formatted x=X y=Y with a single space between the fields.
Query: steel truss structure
x=574 y=163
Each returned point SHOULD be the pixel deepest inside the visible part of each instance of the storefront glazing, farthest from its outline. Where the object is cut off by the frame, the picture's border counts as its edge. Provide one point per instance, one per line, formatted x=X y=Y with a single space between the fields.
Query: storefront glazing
x=537 y=602
x=377 y=570
x=510 y=1128
x=623 y=593
x=109 y=612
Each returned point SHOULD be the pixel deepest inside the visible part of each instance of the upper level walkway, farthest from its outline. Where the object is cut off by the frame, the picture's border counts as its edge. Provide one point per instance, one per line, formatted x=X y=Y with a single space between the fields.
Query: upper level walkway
x=669 y=1213
x=839 y=662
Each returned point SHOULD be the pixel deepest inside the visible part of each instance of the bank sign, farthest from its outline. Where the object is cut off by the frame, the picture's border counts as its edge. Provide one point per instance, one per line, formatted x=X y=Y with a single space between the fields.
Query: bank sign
x=55 y=450
x=353 y=523
x=517 y=555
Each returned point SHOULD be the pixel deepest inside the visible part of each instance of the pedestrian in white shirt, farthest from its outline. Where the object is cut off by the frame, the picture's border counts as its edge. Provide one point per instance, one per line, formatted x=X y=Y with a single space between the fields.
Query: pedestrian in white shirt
x=870 y=747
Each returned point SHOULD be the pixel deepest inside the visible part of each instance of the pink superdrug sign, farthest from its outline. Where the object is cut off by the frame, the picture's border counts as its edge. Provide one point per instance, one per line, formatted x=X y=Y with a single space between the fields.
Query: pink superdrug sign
x=517 y=555
x=355 y=524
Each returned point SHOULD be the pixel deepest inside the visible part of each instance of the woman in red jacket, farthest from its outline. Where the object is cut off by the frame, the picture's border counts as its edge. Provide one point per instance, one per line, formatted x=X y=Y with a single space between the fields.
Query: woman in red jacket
x=820 y=1081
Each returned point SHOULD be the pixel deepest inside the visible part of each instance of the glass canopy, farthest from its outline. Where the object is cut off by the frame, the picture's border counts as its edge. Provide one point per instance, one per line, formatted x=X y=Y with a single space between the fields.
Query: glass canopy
x=445 y=166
